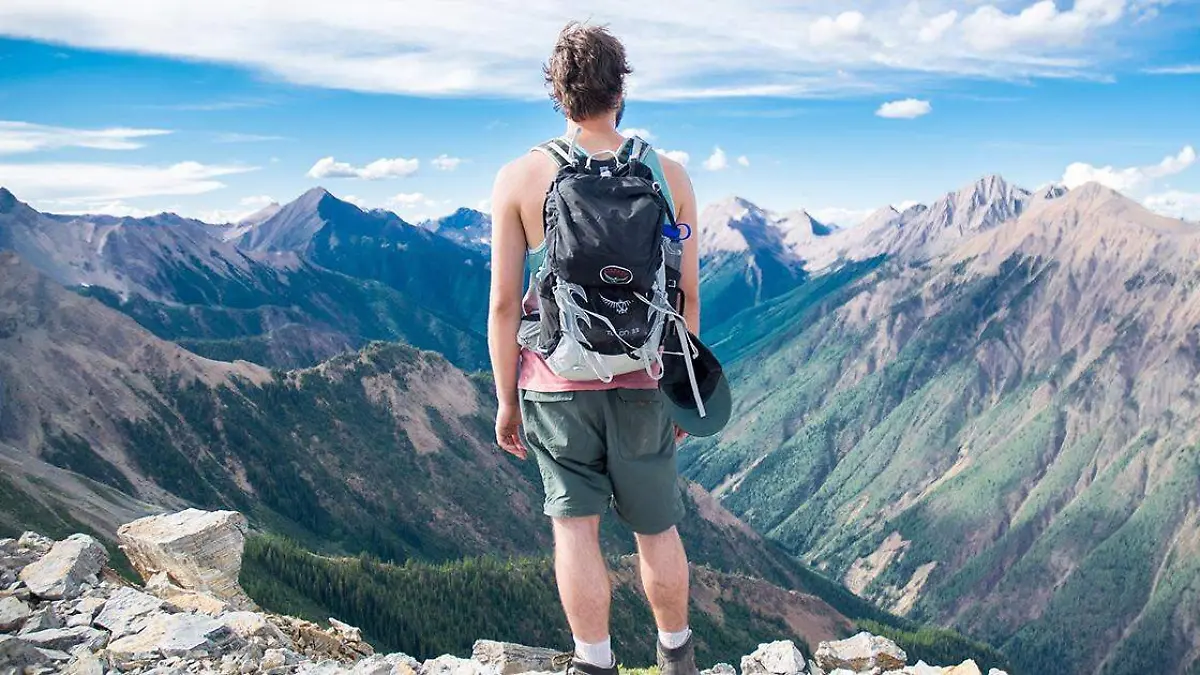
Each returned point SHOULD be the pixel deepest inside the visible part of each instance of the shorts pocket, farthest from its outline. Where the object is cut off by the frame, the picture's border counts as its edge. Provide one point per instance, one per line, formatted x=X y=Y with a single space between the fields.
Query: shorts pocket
x=548 y=396
x=642 y=427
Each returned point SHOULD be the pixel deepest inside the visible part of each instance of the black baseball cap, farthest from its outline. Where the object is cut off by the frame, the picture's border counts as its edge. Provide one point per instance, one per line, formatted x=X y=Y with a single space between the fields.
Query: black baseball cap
x=676 y=386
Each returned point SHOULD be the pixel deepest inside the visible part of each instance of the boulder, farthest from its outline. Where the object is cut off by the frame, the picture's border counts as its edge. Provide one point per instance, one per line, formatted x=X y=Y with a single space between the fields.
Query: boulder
x=13 y=613
x=198 y=550
x=182 y=635
x=923 y=668
x=775 y=658
x=62 y=572
x=964 y=668
x=863 y=652
x=509 y=659
x=452 y=665
x=66 y=639
x=127 y=611
x=720 y=669
x=278 y=658
x=89 y=606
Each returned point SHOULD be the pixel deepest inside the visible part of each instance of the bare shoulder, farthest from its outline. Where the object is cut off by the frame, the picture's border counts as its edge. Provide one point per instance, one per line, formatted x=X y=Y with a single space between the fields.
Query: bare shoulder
x=681 y=184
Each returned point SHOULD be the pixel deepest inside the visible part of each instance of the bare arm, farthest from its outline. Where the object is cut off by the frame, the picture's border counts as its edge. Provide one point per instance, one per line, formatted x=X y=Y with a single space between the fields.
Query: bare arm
x=504 y=314
x=685 y=212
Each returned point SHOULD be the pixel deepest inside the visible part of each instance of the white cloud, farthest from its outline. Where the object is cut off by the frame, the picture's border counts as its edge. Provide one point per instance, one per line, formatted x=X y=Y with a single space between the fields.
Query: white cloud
x=407 y=199
x=256 y=202
x=399 y=167
x=445 y=162
x=717 y=160
x=1185 y=69
x=827 y=30
x=840 y=216
x=355 y=200
x=991 y=29
x=743 y=160
x=1131 y=179
x=495 y=47
x=936 y=27
x=640 y=132
x=1176 y=204
x=909 y=108
x=906 y=205
x=19 y=137
x=484 y=206
x=677 y=156
x=84 y=184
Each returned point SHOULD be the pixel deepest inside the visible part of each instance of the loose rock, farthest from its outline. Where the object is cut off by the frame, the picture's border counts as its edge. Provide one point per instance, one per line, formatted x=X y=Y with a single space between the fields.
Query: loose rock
x=13 y=613
x=775 y=658
x=720 y=669
x=127 y=612
x=183 y=635
x=62 y=572
x=965 y=668
x=199 y=551
x=509 y=659
x=66 y=639
x=863 y=652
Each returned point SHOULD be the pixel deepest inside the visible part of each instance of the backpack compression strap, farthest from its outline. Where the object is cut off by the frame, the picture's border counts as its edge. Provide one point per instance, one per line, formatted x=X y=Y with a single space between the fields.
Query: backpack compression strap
x=558 y=150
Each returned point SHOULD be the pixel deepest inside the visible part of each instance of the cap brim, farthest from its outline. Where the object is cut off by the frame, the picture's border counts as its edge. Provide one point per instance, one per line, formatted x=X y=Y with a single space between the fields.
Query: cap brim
x=717 y=409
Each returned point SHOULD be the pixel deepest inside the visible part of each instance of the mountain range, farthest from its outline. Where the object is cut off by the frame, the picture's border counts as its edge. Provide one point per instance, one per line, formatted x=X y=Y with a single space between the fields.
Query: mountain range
x=982 y=413
x=978 y=412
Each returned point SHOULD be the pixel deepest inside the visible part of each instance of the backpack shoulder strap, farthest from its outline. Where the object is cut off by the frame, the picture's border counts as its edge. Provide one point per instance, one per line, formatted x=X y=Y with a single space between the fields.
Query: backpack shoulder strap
x=634 y=149
x=557 y=150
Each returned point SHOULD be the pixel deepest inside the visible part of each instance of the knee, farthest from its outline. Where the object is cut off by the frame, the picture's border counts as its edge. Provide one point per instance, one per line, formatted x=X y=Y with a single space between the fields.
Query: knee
x=668 y=537
x=575 y=530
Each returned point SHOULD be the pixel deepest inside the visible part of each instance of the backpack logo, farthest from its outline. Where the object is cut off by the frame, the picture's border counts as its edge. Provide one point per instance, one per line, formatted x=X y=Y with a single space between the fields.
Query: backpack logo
x=618 y=306
x=615 y=274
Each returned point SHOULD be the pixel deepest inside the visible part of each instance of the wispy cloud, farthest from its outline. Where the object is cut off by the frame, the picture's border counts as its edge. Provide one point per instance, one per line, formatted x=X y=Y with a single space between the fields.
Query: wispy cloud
x=234 y=137
x=1184 y=69
x=446 y=162
x=85 y=185
x=752 y=48
x=22 y=137
x=640 y=132
x=1131 y=179
x=380 y=169
x=743 y=160
x=909 y=108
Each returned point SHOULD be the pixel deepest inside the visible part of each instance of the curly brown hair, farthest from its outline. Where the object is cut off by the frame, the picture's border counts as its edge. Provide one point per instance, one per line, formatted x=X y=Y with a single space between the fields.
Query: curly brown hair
x=586 y=72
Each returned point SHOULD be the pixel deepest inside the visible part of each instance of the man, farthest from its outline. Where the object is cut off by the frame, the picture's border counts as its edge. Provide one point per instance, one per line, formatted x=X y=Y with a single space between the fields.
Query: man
x=595 y=442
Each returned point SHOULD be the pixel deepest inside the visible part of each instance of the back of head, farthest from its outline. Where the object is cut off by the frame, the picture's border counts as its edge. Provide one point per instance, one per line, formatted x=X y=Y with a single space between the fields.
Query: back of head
x=586 y=72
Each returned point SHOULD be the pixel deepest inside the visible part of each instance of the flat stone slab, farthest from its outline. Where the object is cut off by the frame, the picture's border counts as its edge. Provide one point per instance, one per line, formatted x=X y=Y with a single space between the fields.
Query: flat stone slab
x=62 y=572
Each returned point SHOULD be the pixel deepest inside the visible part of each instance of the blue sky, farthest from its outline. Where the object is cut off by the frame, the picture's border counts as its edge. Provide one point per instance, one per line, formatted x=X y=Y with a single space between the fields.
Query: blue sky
x=211 y=109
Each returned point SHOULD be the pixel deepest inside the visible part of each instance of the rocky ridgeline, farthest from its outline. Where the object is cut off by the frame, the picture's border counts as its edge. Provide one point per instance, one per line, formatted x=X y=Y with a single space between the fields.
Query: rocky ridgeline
x=63 y=610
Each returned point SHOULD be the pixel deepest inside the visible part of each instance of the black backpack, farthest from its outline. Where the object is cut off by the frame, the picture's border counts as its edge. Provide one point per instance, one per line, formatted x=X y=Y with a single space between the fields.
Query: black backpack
x=610 y=280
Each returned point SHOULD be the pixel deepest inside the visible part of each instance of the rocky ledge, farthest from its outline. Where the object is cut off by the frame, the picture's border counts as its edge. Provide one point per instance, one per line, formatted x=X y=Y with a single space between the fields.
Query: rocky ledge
x=64 y=610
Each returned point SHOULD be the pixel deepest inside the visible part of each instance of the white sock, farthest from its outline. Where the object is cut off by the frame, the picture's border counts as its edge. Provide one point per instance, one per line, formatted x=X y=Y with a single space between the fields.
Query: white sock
x=598 y=654
x=674 y=640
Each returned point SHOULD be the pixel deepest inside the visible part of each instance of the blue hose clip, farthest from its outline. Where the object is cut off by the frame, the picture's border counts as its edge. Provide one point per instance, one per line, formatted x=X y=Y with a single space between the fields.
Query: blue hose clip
x=675 y=232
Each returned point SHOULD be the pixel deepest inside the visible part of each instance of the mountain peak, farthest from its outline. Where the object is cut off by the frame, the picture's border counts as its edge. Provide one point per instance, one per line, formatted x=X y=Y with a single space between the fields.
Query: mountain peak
x=8 y=201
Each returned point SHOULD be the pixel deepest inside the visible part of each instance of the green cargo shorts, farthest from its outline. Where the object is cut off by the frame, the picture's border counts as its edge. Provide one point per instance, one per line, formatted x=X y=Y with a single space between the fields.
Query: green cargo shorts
x=599 y=447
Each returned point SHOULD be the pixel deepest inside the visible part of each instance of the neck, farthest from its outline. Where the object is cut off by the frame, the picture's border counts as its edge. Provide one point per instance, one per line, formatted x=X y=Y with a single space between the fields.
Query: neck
x=599 y=127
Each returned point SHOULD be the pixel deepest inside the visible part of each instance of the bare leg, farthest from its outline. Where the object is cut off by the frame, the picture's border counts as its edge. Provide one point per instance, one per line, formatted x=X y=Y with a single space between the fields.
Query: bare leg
x=665 y=576
x=582 y=576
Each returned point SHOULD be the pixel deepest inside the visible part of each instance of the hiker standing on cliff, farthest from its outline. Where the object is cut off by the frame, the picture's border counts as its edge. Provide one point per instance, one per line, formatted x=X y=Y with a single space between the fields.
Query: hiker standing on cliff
x=577 y=359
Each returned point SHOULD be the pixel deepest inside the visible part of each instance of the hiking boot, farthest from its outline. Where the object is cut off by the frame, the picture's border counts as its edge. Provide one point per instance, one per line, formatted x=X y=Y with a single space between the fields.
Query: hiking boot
x=576 y=667
x=678 y=661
